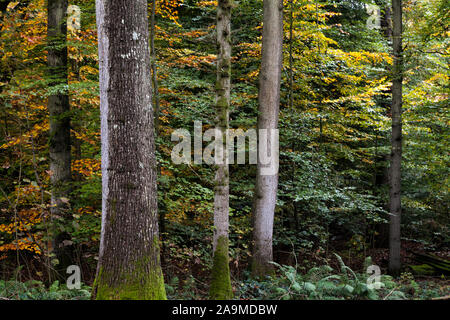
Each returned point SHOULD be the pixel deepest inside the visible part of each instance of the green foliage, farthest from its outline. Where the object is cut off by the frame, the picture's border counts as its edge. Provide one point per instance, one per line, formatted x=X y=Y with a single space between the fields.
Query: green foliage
x=325 y=283
x=334 y=143
x=36 y=290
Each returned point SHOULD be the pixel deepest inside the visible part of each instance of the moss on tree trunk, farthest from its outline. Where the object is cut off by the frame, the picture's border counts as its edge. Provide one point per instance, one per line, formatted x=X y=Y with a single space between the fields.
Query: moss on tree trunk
x=220 y=288
x=137 y=285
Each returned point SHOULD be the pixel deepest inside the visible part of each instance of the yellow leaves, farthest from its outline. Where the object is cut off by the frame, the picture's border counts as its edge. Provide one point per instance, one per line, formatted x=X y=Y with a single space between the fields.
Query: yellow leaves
x=253 y=74
x=368 y=161
x=359 y=58
x=169 y=9
x=91 y=137
x=365 y=94
x=328 y=80
x=37 y=130
x=427 y=92
x=207 y=3
x=250 y=49
x=12 y=5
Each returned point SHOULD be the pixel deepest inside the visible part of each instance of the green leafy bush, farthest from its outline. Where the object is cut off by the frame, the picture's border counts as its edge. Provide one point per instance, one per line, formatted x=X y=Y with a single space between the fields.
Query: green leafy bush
x=326 y=283
x=36 y=290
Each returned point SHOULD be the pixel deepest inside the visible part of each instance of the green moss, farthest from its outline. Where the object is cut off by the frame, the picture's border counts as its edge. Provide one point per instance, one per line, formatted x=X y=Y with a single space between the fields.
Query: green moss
x=423 y=269
x=220 y=288
x=152 y=288
x=138 y=284
x=222 y=103
x=133 y=287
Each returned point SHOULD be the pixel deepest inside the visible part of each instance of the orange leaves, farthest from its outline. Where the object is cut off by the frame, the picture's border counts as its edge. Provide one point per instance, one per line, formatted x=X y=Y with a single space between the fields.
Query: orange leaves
x=28 y=218
x=189 y=58
x=21 y=244
x=194 y=33
x=194 y=61
x=165 y=172
x=87 y=167
x=86 y=211
x=22 y=224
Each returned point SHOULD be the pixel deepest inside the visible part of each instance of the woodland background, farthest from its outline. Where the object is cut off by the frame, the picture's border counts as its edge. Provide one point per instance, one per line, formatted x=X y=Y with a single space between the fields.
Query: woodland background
x=334 y=149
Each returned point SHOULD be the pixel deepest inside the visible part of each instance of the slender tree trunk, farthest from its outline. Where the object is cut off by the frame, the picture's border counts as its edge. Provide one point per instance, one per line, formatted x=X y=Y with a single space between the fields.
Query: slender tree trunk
x=291 y=57
x=396 y=152
x=269 y=100
x=220 y=278
x=154 y=66
x=291 y=101
x=59 y=140
x=386 y=23
x=129 y=263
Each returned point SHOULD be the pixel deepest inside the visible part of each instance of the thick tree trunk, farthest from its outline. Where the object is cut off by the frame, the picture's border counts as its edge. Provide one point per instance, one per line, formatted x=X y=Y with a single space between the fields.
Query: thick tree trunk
x=129 y=263
x=59 y=140
x=269 y=100
x=220 y=279
x=396 y=151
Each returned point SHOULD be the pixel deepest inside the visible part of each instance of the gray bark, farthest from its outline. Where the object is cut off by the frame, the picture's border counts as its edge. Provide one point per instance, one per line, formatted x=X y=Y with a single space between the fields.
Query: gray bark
x=269 y=100
x=220 y=282
x=59 y=139
x=129 y=264
x=396 y=140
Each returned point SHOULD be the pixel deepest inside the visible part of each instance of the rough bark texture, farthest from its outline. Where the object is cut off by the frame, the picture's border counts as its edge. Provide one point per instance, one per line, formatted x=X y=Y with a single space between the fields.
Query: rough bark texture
x=269 y=100
x=129 y=263
x=59 y=139
x=220 y=278
x=396 y=151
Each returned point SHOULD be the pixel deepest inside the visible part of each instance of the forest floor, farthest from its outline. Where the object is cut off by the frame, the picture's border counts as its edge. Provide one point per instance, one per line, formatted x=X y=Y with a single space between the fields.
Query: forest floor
x=187 y=277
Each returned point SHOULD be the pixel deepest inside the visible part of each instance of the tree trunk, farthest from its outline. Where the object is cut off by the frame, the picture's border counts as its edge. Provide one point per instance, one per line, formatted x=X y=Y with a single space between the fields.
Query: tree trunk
x=396 y=151
x=269 y=100
x=220 y=278
x=386 y=23
x=129 y=263
x=59 y=140
x=154 y=66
